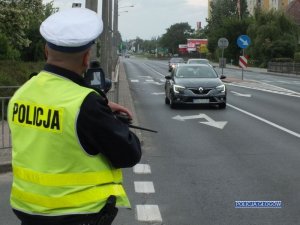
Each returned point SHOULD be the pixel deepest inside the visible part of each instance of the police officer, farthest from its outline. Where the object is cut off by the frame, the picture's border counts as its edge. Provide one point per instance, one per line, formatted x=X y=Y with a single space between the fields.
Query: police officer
x=68 y=147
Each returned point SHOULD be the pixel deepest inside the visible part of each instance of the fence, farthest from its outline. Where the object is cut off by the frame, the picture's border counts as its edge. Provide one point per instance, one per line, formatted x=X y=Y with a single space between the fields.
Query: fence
x=5 y=94
x=284 y=67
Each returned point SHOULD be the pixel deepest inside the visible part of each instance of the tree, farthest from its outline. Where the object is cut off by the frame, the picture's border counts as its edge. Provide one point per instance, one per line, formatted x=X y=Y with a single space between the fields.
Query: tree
x=224 y=14
x=12 y=25
x=273 y=35
x=36 y=14
x=175 y=35
x=19 y=28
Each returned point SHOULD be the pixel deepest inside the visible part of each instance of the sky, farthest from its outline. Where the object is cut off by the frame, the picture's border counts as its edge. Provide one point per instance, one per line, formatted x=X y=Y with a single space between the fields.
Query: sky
x=150 y=19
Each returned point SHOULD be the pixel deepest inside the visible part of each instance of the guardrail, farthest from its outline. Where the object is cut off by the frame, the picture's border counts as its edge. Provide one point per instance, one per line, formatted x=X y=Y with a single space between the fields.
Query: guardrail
x=284 y=67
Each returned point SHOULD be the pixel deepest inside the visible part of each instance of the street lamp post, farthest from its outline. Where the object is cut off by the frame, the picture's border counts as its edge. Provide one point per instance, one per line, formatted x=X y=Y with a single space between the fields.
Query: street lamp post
x=93 y=5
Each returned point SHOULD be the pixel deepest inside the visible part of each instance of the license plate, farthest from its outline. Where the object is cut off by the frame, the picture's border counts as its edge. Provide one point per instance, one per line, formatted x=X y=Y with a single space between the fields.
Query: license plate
x=201 y=101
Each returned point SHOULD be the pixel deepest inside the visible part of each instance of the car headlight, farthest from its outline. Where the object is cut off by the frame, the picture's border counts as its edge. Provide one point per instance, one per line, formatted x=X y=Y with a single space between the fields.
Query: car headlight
x=177 y=88
x=221 y=88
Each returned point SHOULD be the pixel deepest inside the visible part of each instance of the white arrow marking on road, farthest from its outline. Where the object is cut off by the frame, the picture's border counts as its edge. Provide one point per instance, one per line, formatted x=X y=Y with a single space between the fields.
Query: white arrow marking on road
x=134 y=81
x=245 y=42
x=210 y=121
x=158 y=93
x=240 y=94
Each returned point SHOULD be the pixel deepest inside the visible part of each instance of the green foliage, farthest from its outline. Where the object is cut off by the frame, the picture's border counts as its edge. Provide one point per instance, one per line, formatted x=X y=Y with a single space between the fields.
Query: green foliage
x=175 y=35
x=282 y=60
x=273 y=35
x=19 y=29
x=225 y=21
x=297 y=57
x=14 y=73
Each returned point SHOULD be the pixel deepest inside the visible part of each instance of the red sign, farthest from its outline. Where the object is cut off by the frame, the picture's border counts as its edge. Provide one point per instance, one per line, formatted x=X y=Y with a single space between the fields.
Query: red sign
x=193 y=43
x=243 y=62
x=182 y=49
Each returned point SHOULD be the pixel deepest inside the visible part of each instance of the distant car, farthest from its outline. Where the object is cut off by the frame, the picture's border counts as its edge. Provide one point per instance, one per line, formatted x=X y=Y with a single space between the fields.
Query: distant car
x=173 y=61
x=198 y=61
x=127 y=56
x=195 y=84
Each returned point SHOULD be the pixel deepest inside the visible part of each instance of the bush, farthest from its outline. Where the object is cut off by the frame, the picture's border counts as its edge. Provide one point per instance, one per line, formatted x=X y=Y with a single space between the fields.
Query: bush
x=282 y=60
x=15 y=73
x=297 y=57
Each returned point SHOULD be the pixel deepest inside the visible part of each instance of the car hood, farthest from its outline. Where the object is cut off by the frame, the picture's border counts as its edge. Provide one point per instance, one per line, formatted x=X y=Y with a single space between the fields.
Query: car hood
x=198 y=82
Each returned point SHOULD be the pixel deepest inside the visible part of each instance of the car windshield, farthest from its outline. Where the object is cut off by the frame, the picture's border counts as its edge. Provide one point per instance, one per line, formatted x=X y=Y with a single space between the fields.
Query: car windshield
x=176 y=60
x=196 y=72
x=198 y=61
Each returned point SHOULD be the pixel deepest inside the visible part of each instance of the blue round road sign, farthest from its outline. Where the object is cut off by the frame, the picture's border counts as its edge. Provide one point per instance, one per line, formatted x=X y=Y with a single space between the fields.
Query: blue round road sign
x=243 y=41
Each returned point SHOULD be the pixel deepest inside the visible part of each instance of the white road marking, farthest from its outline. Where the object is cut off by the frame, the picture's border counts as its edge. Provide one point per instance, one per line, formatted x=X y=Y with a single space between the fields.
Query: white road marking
x=142 y=169
x=145 y=187
x=134 y=81
x=148 y=213
x=267 y=88
x=266 y=121
x=150 y=80
x=210 y=121
x=155 y=70
x=158 y=93
x=240 y=94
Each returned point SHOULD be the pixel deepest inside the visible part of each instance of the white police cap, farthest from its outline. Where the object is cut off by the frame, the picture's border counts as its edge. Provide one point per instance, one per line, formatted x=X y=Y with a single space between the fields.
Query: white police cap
x=71 y=30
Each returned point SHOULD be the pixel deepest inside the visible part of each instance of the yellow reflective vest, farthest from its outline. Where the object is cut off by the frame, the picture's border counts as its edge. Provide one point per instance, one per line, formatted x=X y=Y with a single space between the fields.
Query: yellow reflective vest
x=52 y=173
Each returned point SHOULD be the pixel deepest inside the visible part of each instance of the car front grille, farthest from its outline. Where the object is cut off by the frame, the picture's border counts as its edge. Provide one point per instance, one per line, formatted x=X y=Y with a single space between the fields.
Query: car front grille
x=197 y=92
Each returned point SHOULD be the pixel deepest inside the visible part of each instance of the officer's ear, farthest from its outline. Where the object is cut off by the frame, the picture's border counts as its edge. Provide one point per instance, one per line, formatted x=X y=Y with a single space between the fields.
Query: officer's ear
x=86 y=58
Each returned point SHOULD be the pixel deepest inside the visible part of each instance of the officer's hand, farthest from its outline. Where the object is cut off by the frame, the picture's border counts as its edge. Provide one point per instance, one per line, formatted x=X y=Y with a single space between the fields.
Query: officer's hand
x=120 y=109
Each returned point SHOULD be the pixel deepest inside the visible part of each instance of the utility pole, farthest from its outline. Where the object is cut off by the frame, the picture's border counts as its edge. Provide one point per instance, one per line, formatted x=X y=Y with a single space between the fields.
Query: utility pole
x=109 y=41
x=104 y=38
x=115 y=29
x=92 y=5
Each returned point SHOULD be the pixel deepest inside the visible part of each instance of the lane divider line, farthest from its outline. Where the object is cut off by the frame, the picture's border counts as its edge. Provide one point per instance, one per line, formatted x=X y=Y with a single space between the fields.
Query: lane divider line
x=142 y=169
x=266 y=121
x=145 y=187
x=148 y=213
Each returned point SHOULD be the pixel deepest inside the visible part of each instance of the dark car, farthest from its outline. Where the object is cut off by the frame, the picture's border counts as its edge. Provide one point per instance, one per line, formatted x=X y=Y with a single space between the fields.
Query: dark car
x=195 y=84
x=173 y=61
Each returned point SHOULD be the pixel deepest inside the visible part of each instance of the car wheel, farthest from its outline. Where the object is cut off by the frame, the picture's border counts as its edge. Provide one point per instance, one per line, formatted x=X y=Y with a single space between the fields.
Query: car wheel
x=222 y=105
x=167 y=101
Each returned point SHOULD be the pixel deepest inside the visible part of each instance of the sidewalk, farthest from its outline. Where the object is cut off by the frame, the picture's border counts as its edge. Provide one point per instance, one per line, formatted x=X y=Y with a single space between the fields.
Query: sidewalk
x=124 y=97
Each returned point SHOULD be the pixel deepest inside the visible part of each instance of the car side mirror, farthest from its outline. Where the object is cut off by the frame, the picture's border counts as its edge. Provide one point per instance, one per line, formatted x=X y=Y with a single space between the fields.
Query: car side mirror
x=168 y=77
x=95 y=78
x=222 y=77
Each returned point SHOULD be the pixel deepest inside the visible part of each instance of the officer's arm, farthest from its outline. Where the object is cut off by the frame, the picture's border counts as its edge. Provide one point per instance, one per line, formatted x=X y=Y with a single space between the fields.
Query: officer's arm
x=100 y=132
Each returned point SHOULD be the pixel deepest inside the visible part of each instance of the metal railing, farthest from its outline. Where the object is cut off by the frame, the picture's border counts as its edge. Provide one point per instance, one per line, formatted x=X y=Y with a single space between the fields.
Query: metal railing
x=5 y=94
x=5 y=141
x=284 y=67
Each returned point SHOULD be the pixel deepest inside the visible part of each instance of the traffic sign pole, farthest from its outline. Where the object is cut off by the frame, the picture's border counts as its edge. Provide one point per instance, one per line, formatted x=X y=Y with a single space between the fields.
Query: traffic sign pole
x=243 y=67
x=243 y=42
x=223 y=43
